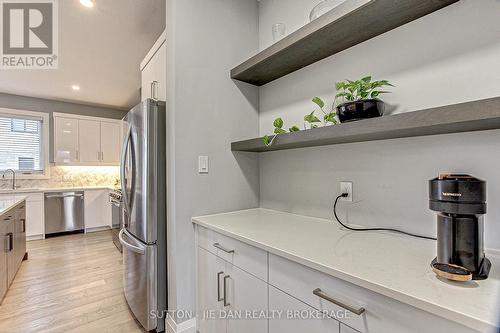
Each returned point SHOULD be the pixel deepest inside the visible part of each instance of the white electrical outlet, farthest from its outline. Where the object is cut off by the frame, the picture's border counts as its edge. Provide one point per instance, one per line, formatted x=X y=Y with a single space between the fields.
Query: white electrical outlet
x=346 y=187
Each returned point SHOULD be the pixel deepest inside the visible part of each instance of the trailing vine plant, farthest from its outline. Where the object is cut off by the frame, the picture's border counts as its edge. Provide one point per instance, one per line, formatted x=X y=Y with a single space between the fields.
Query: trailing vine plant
x=310 y=121
x=347 y=91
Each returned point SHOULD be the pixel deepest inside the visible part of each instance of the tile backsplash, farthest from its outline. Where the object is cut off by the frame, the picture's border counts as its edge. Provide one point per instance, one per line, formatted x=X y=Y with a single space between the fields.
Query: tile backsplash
x=69 y=176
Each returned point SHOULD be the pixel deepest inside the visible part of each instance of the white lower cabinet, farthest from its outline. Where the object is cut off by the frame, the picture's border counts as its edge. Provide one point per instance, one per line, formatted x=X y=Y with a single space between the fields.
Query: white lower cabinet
x=247 y=299
x=34 y=216
x=34 y=213
x=381 y=314
x=289 y=315
x=230 y=300
x=309 y=300
x=97 y=210
x=210 y=271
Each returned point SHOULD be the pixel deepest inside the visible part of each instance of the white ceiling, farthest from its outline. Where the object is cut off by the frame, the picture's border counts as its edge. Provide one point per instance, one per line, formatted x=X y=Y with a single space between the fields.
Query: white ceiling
x=100 y=50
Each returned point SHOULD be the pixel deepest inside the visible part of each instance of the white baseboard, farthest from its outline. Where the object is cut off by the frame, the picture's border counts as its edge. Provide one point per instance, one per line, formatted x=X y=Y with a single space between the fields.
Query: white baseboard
x=188 y=326
x=494 y=252
x=34 y=237
x=97 y=229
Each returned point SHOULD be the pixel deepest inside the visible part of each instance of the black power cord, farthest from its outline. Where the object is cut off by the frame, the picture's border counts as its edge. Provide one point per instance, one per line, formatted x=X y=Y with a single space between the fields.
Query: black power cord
x=343 y=195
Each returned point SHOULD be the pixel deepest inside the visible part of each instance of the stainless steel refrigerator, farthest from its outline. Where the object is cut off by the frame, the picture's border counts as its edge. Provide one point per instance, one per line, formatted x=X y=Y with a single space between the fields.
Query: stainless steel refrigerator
x=143 y=236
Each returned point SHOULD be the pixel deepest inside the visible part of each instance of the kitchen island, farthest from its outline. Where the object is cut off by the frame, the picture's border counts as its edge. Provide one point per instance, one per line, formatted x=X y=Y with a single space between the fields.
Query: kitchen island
x=13 y=234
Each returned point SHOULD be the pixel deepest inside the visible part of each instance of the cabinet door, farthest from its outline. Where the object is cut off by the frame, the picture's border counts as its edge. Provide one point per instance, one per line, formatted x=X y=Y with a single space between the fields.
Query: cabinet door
x=111 y=140
x=347 y=329
x=293 y=316
x=97 y=209
x=65 y=140
x=89 y=141
x=211 y=270
x=245 y=293
x=19 y=235
x=155 y=71
x=34 y=218
x=11 y=259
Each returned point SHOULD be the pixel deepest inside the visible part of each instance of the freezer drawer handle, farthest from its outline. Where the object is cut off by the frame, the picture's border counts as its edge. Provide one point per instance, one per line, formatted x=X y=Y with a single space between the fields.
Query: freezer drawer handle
x=226 y=303
x=220 y=247
x=131 y=247
x=324 y=296
x=64 y=196
x=218 y=287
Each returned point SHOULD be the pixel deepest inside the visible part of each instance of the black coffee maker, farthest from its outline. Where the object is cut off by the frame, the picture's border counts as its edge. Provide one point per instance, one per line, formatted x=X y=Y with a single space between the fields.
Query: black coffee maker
x=460 y=201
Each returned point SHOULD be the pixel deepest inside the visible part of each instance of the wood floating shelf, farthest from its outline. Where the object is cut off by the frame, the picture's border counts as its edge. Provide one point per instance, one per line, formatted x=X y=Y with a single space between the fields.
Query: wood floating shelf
x=349 y=24
x=465 y=117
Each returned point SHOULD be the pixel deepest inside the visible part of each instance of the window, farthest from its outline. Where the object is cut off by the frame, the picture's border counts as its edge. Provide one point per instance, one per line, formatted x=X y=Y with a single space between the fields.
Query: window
x=26 y=163
x=26 y=126
x=24 y=142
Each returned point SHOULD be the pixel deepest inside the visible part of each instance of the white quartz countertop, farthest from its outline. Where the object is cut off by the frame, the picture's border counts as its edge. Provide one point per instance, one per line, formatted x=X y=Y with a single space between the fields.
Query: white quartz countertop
x=7 y=203
x=54 y=189
x=393 y=265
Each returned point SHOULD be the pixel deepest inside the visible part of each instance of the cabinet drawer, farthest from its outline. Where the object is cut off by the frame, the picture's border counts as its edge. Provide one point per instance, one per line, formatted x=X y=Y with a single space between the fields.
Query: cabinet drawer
x=244 y=256
x=381 y=315
x=294 y=316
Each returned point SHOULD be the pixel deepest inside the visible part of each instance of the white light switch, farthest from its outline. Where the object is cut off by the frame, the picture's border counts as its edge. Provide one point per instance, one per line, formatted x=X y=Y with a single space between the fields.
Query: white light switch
x=202 y=164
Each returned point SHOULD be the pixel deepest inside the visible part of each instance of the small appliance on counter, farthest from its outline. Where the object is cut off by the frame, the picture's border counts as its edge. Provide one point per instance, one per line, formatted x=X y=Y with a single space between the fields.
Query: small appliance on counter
x=460 y=201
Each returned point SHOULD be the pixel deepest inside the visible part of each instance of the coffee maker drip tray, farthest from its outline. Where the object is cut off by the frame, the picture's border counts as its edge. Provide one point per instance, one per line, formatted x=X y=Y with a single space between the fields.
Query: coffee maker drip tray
x=461 y=274
x=451 y=272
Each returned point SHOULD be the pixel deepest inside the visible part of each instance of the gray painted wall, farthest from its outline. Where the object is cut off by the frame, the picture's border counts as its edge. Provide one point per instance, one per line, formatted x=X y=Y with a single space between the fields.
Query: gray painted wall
x=447 y=57
x=50 y=106
x=206 y=111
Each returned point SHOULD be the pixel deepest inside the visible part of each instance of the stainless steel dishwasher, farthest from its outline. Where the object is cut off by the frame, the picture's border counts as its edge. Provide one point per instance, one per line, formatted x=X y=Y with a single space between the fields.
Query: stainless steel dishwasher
x=64 y=212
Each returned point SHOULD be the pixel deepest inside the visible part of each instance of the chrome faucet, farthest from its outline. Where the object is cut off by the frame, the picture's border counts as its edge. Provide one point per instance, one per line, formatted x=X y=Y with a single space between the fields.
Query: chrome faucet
x=13 y=177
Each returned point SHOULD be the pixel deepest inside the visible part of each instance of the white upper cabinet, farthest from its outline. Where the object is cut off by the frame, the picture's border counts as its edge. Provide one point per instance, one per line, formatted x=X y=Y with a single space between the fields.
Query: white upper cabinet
x=66 y=140
x=154 y=71
x=89 y=140
x=80 y=140
x=111 y=140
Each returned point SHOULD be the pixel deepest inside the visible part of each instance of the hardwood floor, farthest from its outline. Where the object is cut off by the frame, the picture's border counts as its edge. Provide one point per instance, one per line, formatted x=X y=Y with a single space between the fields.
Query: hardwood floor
x=69 y=284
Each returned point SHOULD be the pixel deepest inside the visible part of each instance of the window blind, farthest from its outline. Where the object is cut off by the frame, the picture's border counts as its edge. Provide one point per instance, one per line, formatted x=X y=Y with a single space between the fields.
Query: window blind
x=21 y=146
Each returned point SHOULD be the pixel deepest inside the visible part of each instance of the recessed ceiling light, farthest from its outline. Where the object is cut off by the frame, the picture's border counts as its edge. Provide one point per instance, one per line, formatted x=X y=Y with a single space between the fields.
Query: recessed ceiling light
x=75 y=87
x=87 y=3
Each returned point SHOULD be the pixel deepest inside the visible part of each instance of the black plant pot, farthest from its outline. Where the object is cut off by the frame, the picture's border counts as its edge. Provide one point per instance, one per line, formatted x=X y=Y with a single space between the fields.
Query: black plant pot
x=352 y=111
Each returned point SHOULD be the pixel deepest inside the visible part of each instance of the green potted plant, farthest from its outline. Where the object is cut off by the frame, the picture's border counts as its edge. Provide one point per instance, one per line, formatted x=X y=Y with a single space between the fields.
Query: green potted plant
x=359 y=99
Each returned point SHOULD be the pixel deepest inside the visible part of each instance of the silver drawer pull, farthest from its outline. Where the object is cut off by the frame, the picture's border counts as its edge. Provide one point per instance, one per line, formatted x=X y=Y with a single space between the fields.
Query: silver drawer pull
x=226 y=303
x=220 y=247
x=324 y=296
x=218 y=287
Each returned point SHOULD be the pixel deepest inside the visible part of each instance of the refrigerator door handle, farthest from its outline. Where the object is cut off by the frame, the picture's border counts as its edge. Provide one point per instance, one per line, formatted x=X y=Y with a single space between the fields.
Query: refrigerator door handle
x=133 y=248
x=122 y=167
